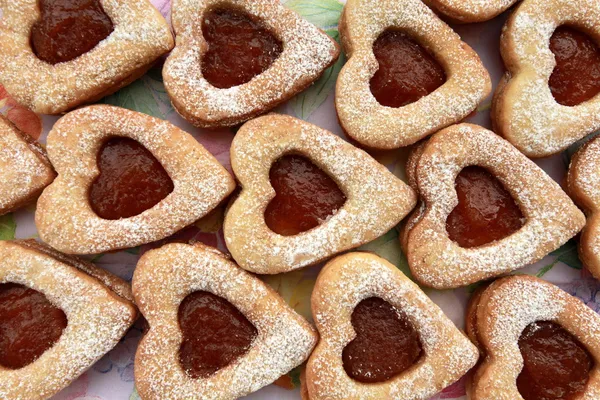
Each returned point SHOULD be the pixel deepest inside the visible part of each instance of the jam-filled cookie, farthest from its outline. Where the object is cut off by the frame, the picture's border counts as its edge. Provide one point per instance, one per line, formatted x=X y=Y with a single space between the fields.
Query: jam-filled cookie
x=583 y=184
x=381 y=336
x=538 y=342
x=306 y=195
x=468 y=11
x=548 y=98
x=58 y=54
x=236 y=59
x=408 y=74
x=216 y=331
x=24 y=168
x=58 y=316
x=488 y=209
x=125 y=179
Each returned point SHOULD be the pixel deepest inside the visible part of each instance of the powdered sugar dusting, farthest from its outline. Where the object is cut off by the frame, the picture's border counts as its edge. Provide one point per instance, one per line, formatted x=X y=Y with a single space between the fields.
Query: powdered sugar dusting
x=471 y=10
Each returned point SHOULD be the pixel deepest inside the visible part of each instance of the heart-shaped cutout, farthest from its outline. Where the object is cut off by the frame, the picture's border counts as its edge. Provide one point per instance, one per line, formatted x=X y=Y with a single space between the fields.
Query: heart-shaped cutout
x=386 y=343
x=68 y=28
x=29 y=325
x=486 y=211
x=406 y=70
x=305 y=196
x=215 y=334
x=239 y=48
x=131 y=180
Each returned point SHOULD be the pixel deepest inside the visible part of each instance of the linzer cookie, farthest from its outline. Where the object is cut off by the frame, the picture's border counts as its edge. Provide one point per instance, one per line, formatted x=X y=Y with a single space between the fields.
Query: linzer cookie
x=548 y=98
x=408 y=74
x=24 y=168
x=216 y=331
x=468 y=11
x=539 y=342
x=236 y=59
x=488 y=210
x=58 y=316
x=381 y=336
x=59 y=54
x=125 y=179
x=306 y=195
x=583 y=184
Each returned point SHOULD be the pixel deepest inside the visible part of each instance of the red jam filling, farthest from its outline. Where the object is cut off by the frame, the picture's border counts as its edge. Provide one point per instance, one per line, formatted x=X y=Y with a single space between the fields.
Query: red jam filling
x=556 y=365
x=68 y=29
x=29 y=325
x=406 y=71
x=215 y=334
x=305 y=196
x=386 y=343
x=576 y=77
x=486 y=211
x=131 y=180
x=239 y=48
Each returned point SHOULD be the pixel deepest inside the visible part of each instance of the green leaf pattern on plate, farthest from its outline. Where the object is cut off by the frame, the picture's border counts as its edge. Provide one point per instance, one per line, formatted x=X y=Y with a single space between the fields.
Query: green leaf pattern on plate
x=8 y=227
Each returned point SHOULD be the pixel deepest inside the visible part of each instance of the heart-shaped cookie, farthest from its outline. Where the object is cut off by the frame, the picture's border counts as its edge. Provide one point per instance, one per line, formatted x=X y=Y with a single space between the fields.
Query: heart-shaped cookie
x=508 y=200
x=363 y=25
x=83 y=213
x=375 y=200
x=78 y=71
x=360 y=297
x=216 y=331
x=214 y=77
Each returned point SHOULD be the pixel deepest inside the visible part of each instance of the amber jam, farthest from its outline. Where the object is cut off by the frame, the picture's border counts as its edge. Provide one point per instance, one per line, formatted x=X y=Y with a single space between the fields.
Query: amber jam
x=406 y=71
x=239 y=48
x=576 y=77
x=386 y=343
x=68 y=29
x=556 y=365
x=486 y=211
x=29 y=325
x=305 y=196
x=131 y=180
x=215 y=334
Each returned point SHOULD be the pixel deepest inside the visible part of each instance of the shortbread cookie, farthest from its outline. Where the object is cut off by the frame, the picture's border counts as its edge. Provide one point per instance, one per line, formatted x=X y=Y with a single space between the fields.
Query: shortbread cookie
x=583 y=184
x=57 y=55
x=282 y=188
x=548 y=98
x=69 y=314
x=468 y=11
x=488 y=210
x=125 y=179
x=381 y=38
x=381 y=336
x=24 y=168
x=214 y=77
x=539 y=342
x=216 y=331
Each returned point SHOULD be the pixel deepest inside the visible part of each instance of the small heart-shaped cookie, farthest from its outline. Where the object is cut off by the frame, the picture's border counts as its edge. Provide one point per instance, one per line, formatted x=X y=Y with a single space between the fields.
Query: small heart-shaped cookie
x=538 y=341
x=80 y=313
x=375 y=200
x=364 y=24
x=51 y=63
x=24 y=168
x=236 y=59
x=488 y=209
x=111 y=188
x=469 y=11
x=360 y=297
x=216 y=331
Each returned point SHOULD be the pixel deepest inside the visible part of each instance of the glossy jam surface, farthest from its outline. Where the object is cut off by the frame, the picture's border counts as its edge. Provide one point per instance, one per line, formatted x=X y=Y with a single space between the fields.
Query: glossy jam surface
x=29 y=325
x=386 y=343
x=239 y=48
x=556 y=365
x=68 y=29
x=215 y=334
x=131 y=180
x=406 y=71
x=485 y=212
x=305 y=196
x=576 y=77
